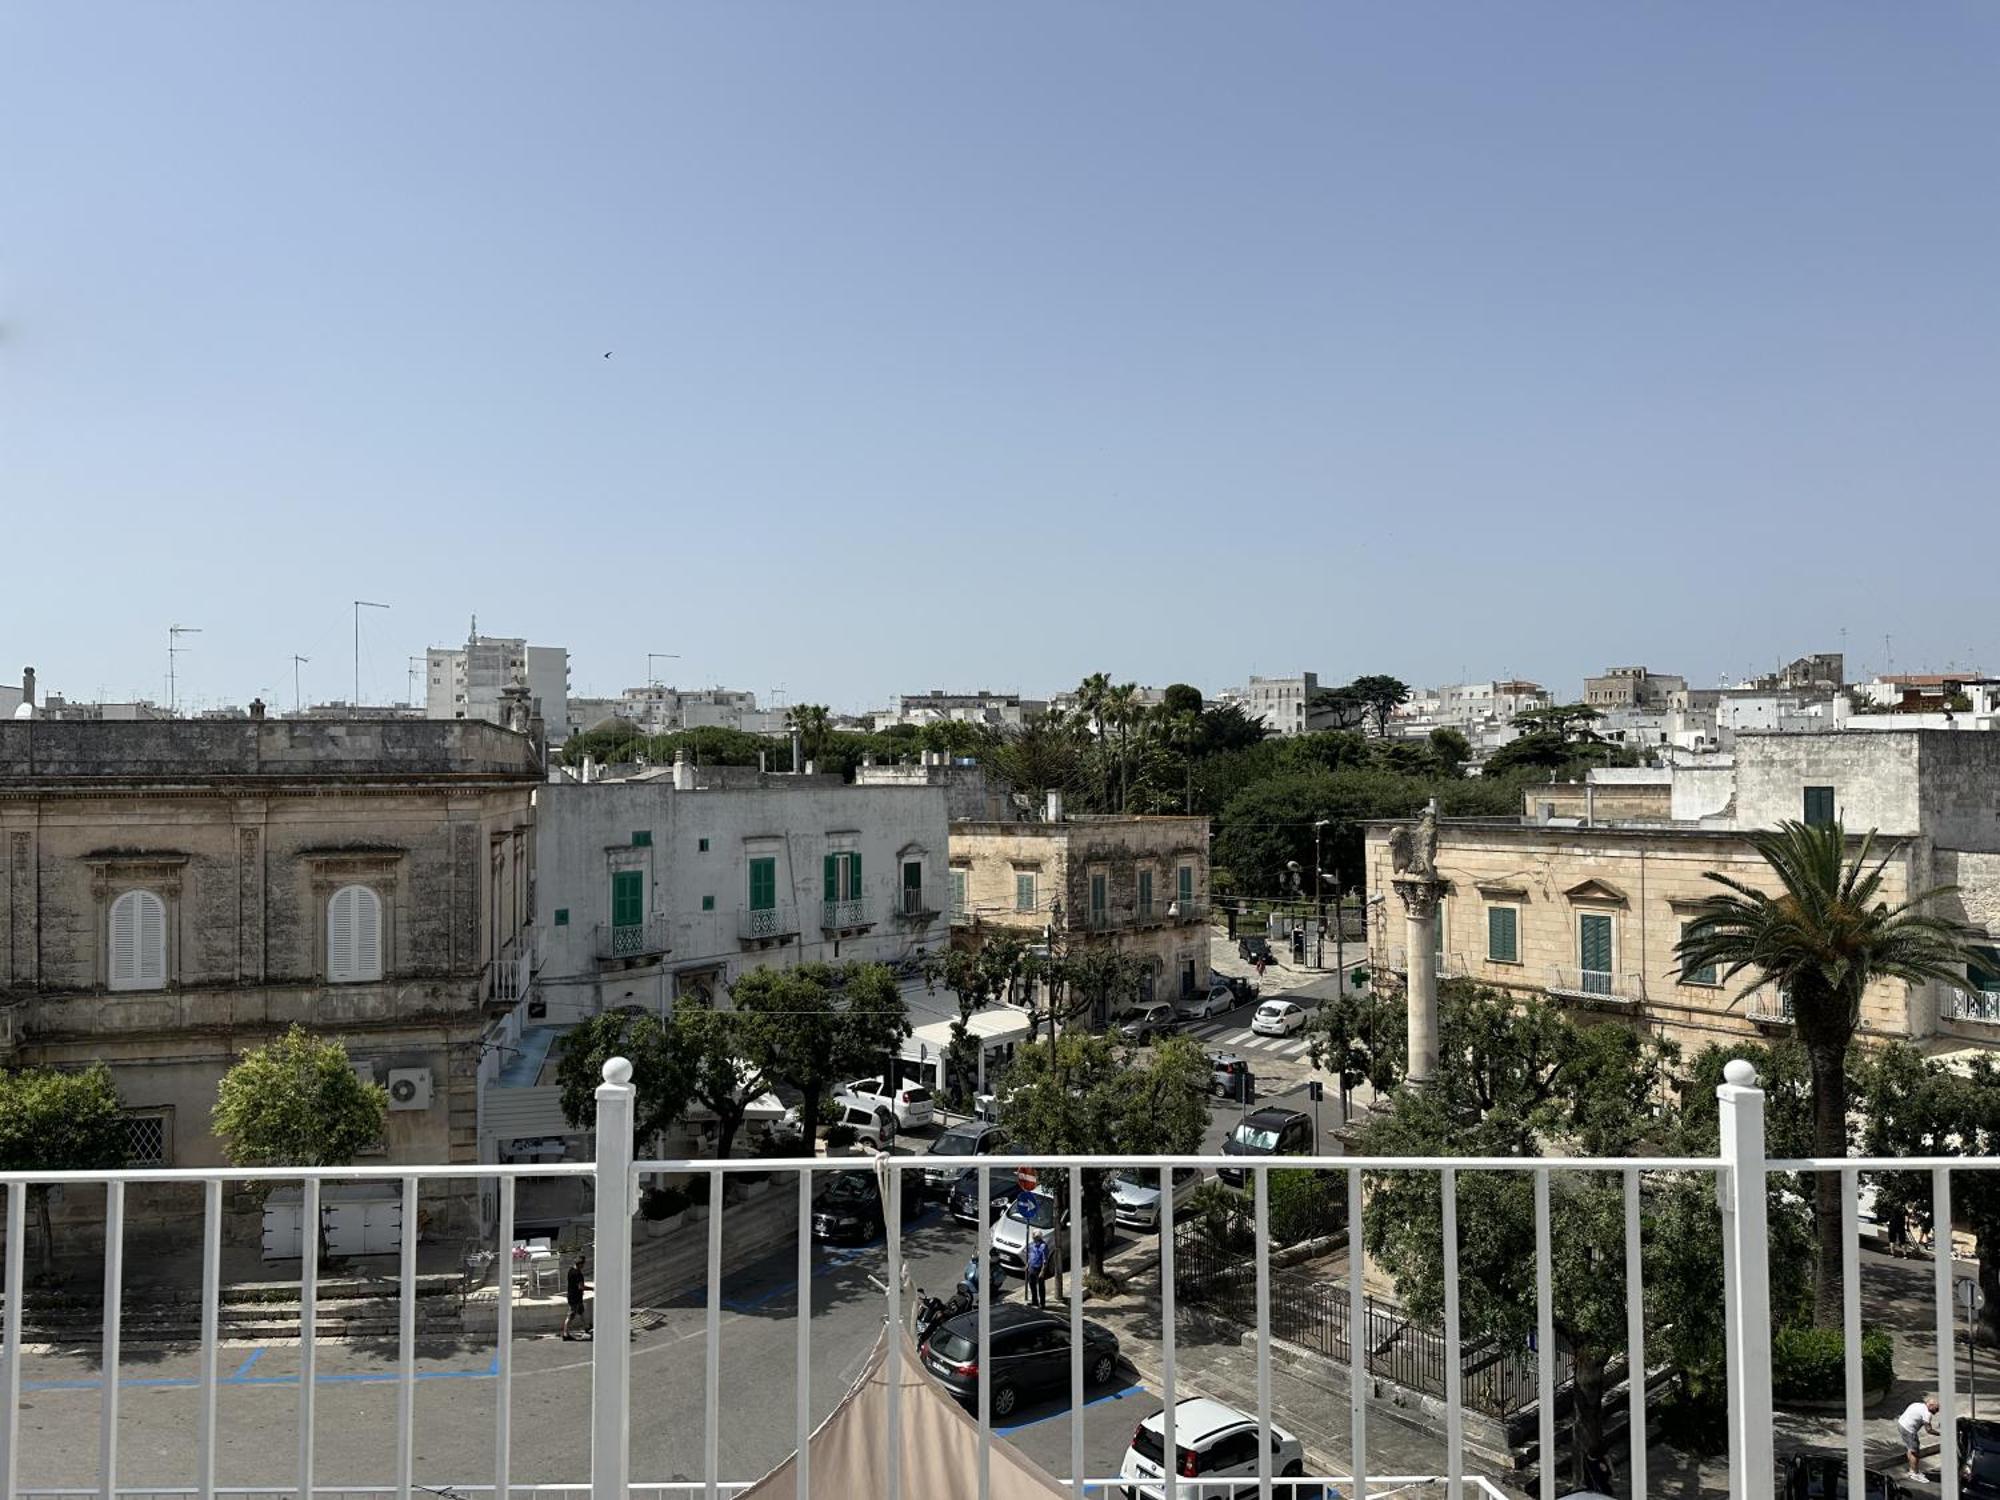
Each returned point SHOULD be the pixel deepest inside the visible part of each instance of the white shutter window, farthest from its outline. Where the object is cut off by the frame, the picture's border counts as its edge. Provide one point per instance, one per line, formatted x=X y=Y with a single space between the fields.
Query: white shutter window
x=138 y=942
x=354 y=935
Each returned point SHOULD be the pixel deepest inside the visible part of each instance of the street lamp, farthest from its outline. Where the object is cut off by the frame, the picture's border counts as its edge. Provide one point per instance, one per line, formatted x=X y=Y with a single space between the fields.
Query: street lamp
x=1319 y=901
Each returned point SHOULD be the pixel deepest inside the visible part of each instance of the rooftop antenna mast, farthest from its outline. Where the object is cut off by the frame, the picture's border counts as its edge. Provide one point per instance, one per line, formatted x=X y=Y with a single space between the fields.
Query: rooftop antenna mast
x=653 y=656
x=174 y=649
x=359 y=605
x=416 y=666
x=298 y=699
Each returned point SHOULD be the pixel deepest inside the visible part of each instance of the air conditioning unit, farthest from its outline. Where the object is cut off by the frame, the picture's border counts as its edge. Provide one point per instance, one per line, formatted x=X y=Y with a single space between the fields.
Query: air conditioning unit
x=364 y=1069
x=409 y=1088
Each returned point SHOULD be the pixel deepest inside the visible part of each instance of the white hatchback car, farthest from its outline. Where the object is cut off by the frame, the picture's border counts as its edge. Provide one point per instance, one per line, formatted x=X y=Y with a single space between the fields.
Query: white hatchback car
x=1030 y=1213
x=1278 y=1018
x=910 y=1103
x=1211 y=1441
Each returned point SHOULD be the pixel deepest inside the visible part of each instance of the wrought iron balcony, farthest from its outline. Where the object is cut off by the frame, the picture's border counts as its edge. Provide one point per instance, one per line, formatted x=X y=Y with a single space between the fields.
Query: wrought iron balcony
x=767 y=924
x=1971 y=1005
x=668 y=1444
x=1601 y=988
x=844 y=916
x=647 y=938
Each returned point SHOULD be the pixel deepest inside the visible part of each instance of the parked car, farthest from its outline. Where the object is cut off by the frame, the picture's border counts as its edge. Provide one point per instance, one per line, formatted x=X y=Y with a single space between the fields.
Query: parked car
x=871 y=1126
x=1135 y=1193
x=1144 y=1022
x=1211 y=1441
x=849 y=1207
x=909 y=1102
x=1217 y=1000
x=1241 y=985
x=963 y=1201
x=1267 y=1132
x=1978 y=1459
x=1823 y=1476
x=1029 y=1350
x=1027 y=1213
x=1278 y=1018
x=1226 y=1072
x=1250 y=949
x=971 y=1138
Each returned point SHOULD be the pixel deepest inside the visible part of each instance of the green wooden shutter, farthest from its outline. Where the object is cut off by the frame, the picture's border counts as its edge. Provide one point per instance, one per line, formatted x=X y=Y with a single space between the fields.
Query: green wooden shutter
x=1187 y=882
x=1594 y=947
x=763 y=884
x=830 y=867
x=1502 y=936
x=1819 y=807
x=1097 y=896
x=1703 y=975
x=628 y=898
x=854 y=876
x=913 y=875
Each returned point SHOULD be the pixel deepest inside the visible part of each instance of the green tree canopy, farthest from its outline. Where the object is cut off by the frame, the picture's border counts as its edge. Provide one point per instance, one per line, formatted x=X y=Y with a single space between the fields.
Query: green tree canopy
x=297 y=1102
x=56 y=1121
x=818 y=1024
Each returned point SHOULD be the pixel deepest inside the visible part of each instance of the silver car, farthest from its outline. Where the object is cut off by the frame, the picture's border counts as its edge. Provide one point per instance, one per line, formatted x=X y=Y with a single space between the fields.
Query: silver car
x=1029 y=1213
x=1135 y=1193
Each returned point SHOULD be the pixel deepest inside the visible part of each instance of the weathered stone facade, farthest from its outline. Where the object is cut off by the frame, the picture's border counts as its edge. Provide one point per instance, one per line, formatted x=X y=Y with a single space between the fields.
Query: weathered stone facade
x=1114 y=877
x=243 y=831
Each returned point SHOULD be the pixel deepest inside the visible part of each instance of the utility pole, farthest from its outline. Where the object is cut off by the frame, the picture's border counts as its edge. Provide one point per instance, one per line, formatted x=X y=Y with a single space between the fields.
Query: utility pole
x=1319 y=901
x=298 y=698
x=359 y=605
x=416 y=666
x=174 y=649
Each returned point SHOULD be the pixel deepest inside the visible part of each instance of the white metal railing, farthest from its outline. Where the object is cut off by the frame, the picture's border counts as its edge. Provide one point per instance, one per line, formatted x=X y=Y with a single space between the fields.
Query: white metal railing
x=1598 y=986
x=1740 y=1171
x=1971 y=1005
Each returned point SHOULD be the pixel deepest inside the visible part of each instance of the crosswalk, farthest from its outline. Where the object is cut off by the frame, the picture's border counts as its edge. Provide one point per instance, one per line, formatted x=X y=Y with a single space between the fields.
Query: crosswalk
x=1227 y=1037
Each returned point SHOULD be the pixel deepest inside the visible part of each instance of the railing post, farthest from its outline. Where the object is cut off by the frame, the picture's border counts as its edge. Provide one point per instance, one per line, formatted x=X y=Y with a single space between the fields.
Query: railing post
x=611 y=1355
x=1744 y=1221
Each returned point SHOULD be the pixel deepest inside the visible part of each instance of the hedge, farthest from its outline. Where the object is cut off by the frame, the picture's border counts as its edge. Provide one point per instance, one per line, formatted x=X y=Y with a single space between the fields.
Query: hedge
x=1809 y=1364
x=1305 y=1205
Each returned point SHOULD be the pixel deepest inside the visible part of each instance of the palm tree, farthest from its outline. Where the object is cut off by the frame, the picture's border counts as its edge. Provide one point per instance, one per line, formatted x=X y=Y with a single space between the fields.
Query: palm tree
x=813 y=724
x=1821 y=940
x=1121 y=711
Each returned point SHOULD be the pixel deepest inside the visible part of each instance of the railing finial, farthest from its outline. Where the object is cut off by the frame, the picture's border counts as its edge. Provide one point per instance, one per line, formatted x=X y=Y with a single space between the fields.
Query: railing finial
x=1738 y=1071
x=618 y=1070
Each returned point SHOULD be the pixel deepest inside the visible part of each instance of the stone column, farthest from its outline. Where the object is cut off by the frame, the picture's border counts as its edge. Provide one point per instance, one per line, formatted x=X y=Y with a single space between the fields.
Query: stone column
x=1420 y=895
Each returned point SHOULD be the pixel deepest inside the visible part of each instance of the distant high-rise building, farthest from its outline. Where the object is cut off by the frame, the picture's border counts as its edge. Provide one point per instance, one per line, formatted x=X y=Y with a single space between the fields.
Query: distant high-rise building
x=491 y=677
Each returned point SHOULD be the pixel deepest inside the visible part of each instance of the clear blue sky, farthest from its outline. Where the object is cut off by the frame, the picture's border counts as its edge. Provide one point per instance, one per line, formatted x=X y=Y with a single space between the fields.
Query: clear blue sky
x=994 y=344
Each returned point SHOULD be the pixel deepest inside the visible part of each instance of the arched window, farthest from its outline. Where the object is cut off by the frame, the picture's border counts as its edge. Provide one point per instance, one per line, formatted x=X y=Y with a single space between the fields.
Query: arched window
x=138 y=942
x=353 y=935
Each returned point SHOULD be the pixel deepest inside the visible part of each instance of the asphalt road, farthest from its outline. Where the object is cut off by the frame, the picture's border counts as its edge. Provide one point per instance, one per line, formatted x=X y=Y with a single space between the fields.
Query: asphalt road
x=356 y=1388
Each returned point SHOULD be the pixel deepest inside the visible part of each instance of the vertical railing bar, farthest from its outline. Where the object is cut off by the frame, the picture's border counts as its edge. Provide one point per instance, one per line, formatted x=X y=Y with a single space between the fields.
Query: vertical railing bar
x=1168 y=1372
x=1732 y=1332
x=614 y=1190
x=1635 y=1337
x=406 y=1346
x=503 y=1394
x=10 y=1466
x=894 y=1216
x=1357 y=1338
x=1074 y=1270
x=1947 y=1350
x=983 y=1295
x=1261 y=1225
x=1545 y=1337
x=211 y=1300
x=711 y=1429
x=114 y=1307
x=802 y=1438
x=309 y=1225
x=1454 y=1415
x=1850 y=1323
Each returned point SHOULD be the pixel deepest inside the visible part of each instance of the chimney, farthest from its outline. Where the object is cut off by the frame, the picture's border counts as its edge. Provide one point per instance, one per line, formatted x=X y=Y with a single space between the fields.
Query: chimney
x=1055 y=806
x=795 y=750
x=589 y=769
x=683 y=772
x=28 y=686
x=256 y=708
x=761 y=767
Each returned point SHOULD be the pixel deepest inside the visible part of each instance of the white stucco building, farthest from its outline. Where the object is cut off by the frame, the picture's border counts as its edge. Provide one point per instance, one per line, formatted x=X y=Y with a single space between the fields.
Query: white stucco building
x=485 y=676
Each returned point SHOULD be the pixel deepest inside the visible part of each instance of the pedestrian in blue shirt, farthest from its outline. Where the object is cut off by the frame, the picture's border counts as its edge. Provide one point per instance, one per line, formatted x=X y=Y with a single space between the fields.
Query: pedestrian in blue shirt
x=1038 y=1270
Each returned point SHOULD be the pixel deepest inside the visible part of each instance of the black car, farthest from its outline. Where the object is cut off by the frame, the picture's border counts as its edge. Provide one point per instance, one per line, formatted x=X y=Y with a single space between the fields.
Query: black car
x=1823 y=1476
x=1030 y=1351
x=1242 y=986
x=1267 y=1132
x=1251 y=949
x=1978 y=1459
x=850 y=1208
x=963 y=1204
x=971 y=1138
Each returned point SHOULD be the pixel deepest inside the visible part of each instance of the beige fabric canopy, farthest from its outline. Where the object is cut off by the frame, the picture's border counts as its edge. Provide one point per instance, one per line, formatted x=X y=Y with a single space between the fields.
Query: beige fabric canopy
x=850 y=1450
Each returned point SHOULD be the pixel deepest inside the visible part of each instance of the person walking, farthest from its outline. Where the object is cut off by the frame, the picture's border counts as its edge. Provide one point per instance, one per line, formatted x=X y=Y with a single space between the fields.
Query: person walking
x=574 y=1286
x=1899 y=1230
x=1918 y=1418
x=1038 y=1270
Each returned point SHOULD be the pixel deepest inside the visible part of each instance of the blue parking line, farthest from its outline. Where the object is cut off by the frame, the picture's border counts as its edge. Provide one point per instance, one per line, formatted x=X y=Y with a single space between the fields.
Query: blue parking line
x=1130 y=1390
x=239 y=1378
x=244 y=1368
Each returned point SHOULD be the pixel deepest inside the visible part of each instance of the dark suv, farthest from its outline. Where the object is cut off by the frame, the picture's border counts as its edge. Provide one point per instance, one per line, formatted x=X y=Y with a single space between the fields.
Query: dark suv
x=1267 y=1132
x=969 y=1138
x=1823 y=1476
x=1030 y=1355
x=850 y=1208
x=1978 y=1459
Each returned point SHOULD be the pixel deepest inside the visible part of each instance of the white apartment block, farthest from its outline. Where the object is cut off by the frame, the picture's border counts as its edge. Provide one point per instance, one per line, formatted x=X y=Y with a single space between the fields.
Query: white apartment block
x=488 y=675
x=995 y=710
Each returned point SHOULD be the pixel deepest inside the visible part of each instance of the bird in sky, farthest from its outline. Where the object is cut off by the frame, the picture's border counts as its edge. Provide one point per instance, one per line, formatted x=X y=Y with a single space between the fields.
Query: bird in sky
x=607 y=354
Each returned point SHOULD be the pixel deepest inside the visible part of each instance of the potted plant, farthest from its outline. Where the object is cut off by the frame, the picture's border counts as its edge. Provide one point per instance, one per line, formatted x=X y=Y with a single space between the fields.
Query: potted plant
x=661 y=1208
x=697 y=1196
x=840 y=1140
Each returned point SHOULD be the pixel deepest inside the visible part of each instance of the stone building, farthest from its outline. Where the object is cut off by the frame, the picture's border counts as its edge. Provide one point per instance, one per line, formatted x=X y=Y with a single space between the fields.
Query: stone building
x=1138 y=883
x=1632 y=687
x=1588 y=916
x=179 y=891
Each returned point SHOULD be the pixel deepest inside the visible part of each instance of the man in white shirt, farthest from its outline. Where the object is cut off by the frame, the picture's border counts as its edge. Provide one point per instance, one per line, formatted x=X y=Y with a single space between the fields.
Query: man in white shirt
x=1918 y=1418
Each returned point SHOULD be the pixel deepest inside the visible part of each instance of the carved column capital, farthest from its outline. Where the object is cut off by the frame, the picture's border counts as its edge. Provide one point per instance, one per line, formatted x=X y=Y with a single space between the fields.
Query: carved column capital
x=1420 y=895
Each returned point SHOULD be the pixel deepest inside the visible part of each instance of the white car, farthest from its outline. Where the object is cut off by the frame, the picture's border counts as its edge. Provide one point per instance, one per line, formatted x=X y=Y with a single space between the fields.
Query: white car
x=1029 y=1212
x=1135 y=1193
x=910 y=1103
x=1278 y=1018
x=1213 y=1442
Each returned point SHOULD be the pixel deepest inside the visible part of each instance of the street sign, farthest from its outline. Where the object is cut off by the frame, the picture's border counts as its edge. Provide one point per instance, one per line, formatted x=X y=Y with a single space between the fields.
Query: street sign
x=1025 y=1179
x=1315 y=1090
x=1966 y=1289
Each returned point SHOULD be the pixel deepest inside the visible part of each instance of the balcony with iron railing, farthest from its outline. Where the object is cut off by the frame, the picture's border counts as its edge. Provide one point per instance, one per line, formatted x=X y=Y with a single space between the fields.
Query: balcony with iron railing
x=910 y=905
x=844 y=916
x=719 y=1372
x=650 y=937
x=1597 y=988
x=767 y=924
x=1970 y=1005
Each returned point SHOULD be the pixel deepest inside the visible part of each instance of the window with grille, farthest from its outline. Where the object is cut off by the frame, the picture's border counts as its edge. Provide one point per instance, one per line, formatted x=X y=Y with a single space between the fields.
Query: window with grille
x=354 y=936
x=138 y=942
x=146 y=1140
